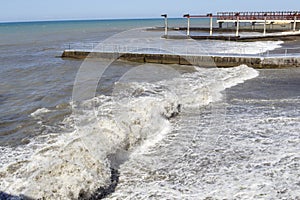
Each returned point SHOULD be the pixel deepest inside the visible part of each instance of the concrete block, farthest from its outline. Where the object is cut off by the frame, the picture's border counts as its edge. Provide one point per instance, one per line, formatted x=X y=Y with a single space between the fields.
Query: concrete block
x=170 y=59
x=132 y=57
x=153 y=58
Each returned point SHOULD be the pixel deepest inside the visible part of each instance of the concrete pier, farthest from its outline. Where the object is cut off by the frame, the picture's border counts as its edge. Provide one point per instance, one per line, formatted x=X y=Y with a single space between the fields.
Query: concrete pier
x=264 y=18
x=197 y=60
x=244 y=38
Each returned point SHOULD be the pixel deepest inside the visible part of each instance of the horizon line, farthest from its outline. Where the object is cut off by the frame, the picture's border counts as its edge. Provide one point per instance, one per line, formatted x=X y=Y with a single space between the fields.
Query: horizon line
x=82 y=19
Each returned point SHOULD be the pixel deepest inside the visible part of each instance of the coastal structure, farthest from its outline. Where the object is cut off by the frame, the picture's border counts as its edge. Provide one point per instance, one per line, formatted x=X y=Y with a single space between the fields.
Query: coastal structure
x=284 y=59
x=190 y=59
x=253 y=18
x=282 y=17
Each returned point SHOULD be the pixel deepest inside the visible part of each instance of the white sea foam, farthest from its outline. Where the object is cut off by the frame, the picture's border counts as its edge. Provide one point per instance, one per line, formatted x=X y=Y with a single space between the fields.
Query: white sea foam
x=110 y=128
x=39 y=112
x=139 y=40
x=251 y=154
x=244 y=47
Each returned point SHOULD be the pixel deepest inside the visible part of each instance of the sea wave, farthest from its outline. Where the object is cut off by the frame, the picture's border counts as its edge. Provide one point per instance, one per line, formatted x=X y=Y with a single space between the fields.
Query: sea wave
x=108 y=129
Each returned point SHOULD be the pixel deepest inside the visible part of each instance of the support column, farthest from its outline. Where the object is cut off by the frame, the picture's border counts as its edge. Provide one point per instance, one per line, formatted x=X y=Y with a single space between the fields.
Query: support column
x=272 y=25
x=220 y=24
x=295 y=22
x=188 y=27
x=265 y=24
x=253 y=25
x=188 y=24
x=166 y=23
x=237 y=24
x=210 y=23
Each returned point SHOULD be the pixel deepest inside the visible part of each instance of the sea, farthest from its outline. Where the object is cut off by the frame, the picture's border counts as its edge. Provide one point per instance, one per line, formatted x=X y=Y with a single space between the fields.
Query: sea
x=110 y=129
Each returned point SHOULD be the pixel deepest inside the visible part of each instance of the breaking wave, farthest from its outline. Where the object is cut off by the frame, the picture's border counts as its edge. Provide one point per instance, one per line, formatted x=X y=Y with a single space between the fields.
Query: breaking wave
x=107 y=130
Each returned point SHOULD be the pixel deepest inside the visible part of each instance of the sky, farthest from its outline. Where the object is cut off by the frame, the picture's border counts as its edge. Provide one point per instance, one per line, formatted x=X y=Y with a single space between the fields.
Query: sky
x=40 y=10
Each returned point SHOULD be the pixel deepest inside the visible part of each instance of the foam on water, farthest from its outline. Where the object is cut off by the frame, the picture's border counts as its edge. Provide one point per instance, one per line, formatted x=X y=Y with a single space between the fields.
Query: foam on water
x=39 y=112
x=138 y=40
x=247 y=47
x=248 y=152
x=108 y=129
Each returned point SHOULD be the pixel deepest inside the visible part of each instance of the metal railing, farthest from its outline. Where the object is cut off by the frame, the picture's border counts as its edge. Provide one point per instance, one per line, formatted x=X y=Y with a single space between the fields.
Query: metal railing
x=279 y=15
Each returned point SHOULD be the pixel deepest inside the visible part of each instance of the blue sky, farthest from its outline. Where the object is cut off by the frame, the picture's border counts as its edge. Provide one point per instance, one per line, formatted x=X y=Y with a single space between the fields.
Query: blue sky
x=28 y=10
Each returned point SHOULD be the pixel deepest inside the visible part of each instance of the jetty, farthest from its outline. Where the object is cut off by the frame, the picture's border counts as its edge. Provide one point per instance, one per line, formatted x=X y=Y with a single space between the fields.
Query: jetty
x=258 y=62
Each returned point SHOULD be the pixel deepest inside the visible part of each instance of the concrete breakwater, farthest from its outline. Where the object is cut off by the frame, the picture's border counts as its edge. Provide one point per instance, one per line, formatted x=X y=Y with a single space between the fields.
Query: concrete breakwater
x=197 y=60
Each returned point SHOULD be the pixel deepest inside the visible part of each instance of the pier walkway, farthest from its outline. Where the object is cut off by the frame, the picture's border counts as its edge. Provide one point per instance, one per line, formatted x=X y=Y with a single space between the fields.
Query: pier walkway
x=282 y=17
x=260 y=18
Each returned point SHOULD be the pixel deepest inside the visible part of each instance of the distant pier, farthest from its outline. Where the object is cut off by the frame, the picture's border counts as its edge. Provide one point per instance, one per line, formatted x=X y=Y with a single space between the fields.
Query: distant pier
x=279 y=17
x=261 y=19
